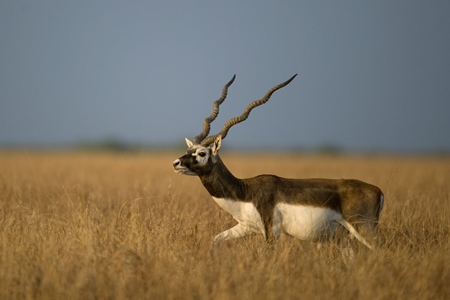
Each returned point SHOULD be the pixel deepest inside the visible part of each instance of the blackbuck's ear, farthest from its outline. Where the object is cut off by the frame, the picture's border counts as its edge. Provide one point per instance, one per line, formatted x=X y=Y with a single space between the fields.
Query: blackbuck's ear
x=189 y=143
x=217 y=143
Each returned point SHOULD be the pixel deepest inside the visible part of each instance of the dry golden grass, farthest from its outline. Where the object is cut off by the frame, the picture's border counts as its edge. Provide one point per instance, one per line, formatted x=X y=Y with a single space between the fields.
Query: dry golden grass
x=121 y=226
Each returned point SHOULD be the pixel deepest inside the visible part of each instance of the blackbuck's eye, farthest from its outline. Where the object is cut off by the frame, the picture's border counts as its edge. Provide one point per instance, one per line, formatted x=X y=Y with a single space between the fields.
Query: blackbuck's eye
x=202 y=154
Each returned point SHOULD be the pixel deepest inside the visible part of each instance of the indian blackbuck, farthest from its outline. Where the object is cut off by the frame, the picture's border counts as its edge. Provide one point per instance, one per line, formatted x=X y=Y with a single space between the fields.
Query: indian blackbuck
x=308 y=209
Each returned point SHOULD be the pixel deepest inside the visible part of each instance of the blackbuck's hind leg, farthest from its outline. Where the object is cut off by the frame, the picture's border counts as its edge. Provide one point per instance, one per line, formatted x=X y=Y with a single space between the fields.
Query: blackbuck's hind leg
x=353 y=232
x=346 y=250
x=235 y=232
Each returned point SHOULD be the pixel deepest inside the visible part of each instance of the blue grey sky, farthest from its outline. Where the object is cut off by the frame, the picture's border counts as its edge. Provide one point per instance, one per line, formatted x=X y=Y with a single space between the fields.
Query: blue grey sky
x=372 y=75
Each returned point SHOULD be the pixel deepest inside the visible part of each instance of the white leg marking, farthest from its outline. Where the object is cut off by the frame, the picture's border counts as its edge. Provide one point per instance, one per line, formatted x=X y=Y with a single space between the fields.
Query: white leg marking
x=353 y=231
x=246 y=214
x=233 y=233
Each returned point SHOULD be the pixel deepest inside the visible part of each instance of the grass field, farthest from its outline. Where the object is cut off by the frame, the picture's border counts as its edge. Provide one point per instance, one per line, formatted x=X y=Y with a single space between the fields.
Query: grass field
x=125 y=226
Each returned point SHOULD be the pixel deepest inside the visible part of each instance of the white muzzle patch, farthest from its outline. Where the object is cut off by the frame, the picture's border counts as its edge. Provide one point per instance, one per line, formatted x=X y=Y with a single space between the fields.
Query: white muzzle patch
x=180 y=169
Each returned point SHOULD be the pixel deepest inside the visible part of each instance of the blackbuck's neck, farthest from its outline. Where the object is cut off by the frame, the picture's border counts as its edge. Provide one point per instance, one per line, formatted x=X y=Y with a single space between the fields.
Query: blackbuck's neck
x=220 y=183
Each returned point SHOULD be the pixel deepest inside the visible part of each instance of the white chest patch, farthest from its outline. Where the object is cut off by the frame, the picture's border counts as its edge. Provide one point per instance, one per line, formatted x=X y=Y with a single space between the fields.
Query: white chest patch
x=306 y=222
x=243 y=212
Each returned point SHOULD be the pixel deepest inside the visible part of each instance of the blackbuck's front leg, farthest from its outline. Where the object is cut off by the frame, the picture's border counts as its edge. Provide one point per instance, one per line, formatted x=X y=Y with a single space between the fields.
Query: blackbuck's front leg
x=238 y=231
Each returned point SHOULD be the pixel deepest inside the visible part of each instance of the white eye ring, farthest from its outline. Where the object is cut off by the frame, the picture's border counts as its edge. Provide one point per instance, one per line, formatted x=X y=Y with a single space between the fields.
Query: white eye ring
x=202 y=154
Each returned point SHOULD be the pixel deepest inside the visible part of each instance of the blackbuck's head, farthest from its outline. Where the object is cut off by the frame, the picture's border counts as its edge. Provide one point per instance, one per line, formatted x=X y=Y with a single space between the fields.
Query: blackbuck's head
x=202 y=152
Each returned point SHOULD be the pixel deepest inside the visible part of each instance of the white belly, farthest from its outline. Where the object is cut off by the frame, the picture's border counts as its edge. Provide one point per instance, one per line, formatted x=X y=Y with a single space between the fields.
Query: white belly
x=243 y=212
x=305 y=222
x=300 y=221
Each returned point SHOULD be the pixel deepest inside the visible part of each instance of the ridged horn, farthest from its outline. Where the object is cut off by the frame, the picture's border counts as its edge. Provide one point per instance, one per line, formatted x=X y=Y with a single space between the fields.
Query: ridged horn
x=231 y=122
x=215 y=112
